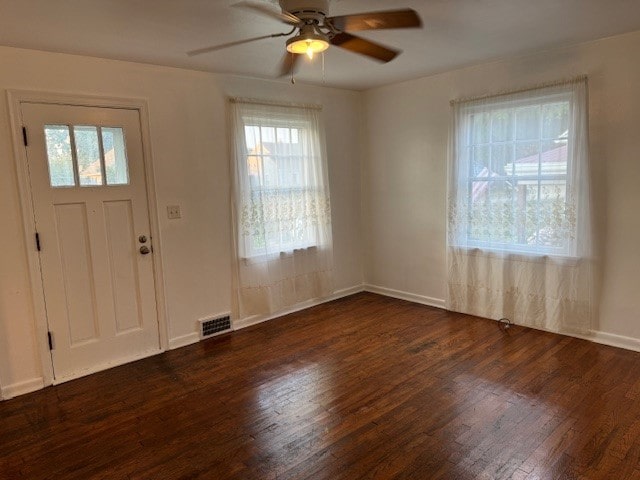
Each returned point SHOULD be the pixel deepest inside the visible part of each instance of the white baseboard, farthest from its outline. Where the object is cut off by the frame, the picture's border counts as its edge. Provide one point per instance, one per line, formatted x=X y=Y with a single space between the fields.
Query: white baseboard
x=345 y=292
x=595 y=336
x=194 y=337
x=411 y=297
x=613 y=340
x=184 y=340
x=20 y=388
x=604 y=338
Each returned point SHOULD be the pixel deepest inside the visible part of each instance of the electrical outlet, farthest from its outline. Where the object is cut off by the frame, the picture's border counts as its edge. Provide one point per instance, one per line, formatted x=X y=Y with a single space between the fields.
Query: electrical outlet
x=173 y=211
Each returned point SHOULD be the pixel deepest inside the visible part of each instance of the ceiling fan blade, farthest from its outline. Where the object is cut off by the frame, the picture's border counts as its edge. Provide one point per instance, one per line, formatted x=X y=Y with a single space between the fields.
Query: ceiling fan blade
x=364 y=47
x=263 y=9
x=200 y=51
x=406 y=18
x=288 y=64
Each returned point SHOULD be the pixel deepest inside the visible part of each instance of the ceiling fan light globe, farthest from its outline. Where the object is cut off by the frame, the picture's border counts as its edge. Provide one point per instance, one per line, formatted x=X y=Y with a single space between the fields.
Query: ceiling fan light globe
x=307 y=45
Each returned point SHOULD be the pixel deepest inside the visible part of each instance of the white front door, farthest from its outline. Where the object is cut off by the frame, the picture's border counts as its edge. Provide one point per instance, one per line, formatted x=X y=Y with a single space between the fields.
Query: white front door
x=90 y=204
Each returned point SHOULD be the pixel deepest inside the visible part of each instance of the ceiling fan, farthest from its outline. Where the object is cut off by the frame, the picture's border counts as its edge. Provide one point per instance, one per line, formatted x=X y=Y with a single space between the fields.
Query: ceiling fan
x=313 y=31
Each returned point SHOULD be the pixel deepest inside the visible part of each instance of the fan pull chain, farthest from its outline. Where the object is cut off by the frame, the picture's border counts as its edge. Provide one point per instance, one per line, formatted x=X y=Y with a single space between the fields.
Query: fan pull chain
x=293 y=80
x=322 y=67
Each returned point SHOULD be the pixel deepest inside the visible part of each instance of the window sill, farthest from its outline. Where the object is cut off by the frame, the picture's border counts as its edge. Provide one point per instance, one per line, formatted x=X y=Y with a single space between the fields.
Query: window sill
x=517 y=255
x=264 y=257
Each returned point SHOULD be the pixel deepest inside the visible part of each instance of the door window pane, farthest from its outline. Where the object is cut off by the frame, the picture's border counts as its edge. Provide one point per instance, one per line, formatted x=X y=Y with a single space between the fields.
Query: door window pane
x=59 y=155
x=99 y=157
x=88 y=155
x=115 y=156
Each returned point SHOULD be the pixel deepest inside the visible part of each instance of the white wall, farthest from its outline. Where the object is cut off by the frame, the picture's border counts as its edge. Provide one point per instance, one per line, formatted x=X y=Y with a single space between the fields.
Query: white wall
x=404 y=179
x=189 y=146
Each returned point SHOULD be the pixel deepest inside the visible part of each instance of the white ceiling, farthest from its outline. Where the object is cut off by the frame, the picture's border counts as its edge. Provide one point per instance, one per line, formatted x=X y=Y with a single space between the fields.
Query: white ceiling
x=455 y=33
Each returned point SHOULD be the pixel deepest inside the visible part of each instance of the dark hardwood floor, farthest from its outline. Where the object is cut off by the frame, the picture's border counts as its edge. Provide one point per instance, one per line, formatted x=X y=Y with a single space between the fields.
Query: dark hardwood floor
x=363 y=387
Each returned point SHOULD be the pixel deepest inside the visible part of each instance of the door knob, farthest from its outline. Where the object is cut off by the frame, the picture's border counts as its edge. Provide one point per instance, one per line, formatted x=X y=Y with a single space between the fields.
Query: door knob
x=144 y=250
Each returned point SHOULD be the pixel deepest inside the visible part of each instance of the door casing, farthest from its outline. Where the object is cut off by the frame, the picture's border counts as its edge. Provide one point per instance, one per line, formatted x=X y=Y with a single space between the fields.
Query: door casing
x=15 y=99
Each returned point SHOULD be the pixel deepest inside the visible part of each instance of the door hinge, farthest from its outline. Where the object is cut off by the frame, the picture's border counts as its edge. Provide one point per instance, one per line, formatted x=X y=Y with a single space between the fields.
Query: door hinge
x=24 y=136
x=50 y=339
x=38 y=241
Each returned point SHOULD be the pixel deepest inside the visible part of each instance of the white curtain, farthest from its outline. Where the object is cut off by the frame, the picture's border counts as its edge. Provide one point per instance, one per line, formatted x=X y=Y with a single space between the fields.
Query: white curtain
x=280 y=207
x=519 y=241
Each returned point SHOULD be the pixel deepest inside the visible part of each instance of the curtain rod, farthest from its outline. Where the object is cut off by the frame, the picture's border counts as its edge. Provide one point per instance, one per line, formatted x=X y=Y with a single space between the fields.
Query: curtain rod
x=580 y=78
x=273 y=103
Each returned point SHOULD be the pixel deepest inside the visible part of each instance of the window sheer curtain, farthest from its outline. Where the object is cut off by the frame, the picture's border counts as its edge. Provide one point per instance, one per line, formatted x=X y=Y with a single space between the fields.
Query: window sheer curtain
x=519 y=240
x=280 y=207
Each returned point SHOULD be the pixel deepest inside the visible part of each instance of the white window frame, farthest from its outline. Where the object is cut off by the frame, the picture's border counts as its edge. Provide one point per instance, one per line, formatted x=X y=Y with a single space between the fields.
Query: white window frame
x=276 y=123
x=540 y=178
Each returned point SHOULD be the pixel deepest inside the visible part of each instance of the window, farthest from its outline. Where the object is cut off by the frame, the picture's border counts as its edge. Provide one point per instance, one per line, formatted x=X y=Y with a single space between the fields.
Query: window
x=86 y=155
x=519 y=227
x=515 y=164
x=281 y=213
x=276 y=164
x=282 y=183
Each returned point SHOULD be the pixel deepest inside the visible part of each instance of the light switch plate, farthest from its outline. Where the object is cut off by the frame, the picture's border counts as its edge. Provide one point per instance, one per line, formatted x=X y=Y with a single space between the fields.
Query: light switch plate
x=173 y=211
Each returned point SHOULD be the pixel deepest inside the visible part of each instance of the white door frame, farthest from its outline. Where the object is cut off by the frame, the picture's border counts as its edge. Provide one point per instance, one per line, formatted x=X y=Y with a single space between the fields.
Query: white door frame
x=15 y=98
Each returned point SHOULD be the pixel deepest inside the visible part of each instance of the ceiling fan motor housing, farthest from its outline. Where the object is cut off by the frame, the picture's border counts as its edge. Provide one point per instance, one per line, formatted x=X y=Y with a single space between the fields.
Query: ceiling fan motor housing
x=308 y=10
x=313 y=31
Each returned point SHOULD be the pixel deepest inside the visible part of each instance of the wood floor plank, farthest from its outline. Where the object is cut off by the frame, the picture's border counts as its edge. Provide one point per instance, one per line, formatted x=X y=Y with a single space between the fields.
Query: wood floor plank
x=363 y=387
